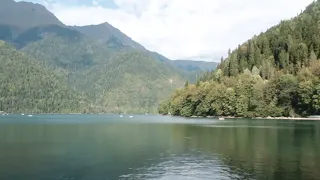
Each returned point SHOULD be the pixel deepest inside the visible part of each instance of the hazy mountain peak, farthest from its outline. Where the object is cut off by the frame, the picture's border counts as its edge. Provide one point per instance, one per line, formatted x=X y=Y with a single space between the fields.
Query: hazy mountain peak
x=105 y=32
x=25 y=14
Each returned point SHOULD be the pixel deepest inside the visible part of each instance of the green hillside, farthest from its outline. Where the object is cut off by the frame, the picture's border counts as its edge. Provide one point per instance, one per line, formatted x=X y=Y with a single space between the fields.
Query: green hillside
x=138 y=82
x=98 y=72
x=61 y=47
x=26 y=86
x=273 y=74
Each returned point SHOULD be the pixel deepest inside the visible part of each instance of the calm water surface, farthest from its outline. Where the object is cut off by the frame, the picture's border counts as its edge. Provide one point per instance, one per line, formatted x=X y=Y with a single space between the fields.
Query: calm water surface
x=107 y=147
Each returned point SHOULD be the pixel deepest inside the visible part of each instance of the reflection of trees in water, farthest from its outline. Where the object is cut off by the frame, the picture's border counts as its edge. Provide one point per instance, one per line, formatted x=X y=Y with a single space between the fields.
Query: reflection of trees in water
x=277 y=150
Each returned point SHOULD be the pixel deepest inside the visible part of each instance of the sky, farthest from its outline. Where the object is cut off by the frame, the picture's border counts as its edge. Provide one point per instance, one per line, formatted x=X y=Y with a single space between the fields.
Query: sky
x=181 y=29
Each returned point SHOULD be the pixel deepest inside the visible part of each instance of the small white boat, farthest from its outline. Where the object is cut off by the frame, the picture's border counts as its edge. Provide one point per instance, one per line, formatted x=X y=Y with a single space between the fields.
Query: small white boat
x=221 y=118
x=131 y=116
x=30 y=115
x=22 y=114
x=121 y=116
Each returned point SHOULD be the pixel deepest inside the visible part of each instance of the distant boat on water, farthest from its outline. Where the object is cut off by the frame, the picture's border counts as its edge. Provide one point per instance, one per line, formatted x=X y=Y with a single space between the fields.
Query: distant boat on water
x=131 y=116
x=121 y=115
x=221 y=118
x=22 y=114
x=30 y=115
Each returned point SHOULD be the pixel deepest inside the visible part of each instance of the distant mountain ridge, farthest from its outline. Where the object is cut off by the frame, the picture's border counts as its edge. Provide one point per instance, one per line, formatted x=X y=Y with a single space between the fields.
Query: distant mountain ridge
x=112 y=37
x=191 y=65
x=105 y=33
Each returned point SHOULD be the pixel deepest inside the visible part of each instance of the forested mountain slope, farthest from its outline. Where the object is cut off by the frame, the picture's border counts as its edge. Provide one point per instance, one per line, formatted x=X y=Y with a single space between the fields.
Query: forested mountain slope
x=140 y=82
x=273 y=74
x=97 y=72
x=61 y=47
x=27 y=86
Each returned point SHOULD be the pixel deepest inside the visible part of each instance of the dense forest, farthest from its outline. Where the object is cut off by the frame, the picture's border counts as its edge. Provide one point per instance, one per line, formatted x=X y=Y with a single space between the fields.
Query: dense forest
x=273 y=74
x=26 y=86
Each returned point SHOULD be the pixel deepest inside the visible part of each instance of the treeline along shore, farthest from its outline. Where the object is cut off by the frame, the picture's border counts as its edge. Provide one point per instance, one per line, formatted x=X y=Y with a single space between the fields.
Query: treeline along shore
x=274 y=74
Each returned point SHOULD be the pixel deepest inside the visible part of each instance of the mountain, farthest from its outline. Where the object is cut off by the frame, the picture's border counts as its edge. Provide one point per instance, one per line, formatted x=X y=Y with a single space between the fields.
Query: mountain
x=140 y=82
x=192 y=70
x=108 y=35
x=99 y=63
x=8 y=32
x=98 y=72
x=17 y=17
x=27 y=86
x=112 y=37
x=61 y=47
x=190 y=65
x=25 y=15
x=276 y=73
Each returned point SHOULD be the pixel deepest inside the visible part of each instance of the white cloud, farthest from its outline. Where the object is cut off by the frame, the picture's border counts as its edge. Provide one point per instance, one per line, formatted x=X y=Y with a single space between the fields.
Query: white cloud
x=185 y=28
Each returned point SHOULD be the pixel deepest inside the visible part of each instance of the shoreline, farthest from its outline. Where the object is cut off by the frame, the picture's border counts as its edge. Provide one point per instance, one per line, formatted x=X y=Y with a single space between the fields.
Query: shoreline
x=221 y=118
x=262 y=118
x=290 y=118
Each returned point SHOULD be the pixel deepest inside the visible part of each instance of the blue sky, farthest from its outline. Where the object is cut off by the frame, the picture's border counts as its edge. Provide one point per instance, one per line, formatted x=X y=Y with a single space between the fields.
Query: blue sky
x=181 y=29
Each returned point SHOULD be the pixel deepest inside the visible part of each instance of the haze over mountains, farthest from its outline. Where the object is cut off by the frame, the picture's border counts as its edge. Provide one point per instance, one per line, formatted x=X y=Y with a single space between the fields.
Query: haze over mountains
x=103 y=67
x=190 y=65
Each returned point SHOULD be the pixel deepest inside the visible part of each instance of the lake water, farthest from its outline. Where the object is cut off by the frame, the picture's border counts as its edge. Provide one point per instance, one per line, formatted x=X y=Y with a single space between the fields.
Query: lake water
x=107 y=147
